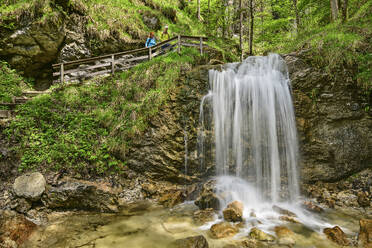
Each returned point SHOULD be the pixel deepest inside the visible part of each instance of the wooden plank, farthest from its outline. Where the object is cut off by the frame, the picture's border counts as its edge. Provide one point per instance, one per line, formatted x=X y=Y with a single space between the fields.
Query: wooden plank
x=135 y=58
x=150 y=53
x=112 y=64
x=61 y=72
x=83 y=69
x=96 y=73
x=179 y=44
x=4 y=114
x=190 y=44
x=201 y=46
x=193 y=37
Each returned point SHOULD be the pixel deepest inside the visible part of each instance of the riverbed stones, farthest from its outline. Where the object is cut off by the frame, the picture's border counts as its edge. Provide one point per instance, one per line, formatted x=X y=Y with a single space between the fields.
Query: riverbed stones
x=336 y=235
x=203 y=216
x=190 y=242
x=223 y=230
x=172 y=198
x=233 y=212
x=285 y=236
x=81 y=195
x=363 y=199
x=288 y=219
x=30 y=186
x=14 y=229
x=308 y=205
x=283 y=211
x=260 y=235
x=365 y=233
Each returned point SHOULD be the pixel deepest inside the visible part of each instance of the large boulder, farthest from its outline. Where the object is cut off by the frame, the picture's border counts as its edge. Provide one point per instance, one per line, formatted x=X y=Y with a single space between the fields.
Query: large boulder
x=365 y=233
x=223 y=230
x=207 y=197
x=30 y=186
x=82 y=195
x=336 y=235
x=234 y=212
x=190 y=242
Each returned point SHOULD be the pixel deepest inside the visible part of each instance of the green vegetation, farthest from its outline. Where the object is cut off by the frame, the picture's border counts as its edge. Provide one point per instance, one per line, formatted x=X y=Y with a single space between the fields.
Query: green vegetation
x=82 y=128
x=10 y=84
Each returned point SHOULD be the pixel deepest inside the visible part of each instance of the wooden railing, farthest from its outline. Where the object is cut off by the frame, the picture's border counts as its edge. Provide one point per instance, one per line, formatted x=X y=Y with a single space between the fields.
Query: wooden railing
x=109 y=64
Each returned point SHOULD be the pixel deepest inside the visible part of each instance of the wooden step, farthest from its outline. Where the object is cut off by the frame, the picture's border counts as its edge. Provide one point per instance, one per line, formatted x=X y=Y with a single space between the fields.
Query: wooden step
x=5 y=114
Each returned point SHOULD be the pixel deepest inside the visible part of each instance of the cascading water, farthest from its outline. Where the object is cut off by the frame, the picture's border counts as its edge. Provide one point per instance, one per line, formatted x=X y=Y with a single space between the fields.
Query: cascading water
x=256 y=148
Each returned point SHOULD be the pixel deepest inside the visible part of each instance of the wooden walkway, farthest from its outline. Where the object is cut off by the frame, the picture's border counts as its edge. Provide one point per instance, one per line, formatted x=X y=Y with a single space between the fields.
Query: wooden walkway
x=83 y=69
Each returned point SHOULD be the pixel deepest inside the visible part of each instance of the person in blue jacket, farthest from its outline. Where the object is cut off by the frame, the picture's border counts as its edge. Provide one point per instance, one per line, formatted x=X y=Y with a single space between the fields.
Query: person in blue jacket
x=151 y=41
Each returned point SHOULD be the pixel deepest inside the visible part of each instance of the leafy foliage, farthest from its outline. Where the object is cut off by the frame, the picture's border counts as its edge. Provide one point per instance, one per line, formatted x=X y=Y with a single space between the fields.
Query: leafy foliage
x=10 y=83
x=89 y=128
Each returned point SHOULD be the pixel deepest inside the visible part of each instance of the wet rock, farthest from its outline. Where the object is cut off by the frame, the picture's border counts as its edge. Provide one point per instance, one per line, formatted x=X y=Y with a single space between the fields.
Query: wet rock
x=285 y=236
x=207 y=197
x=172 y=198
x=234 y=212
x=14 y=229
x=336 y=235
x=288 y=219
x=257 y=234
x=283 y=211
x=365 y=233
x=308 y=205
x=30 y=186
x=336 y=135
x=363 y=200
x=203 y=216
x=82 y=195
x=190 y=242
x=223 y=230
x=20 y=205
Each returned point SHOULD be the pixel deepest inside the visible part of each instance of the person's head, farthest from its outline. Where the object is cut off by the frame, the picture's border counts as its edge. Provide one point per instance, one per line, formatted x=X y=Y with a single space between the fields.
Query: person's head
x=152 y=35
x=166 y=29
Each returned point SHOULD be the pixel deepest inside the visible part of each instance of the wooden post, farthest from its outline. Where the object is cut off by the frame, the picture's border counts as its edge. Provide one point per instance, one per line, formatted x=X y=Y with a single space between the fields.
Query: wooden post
x=112 y=64
x=62 y=73
x=201 y=46
x=150 y=53
x=179 y=44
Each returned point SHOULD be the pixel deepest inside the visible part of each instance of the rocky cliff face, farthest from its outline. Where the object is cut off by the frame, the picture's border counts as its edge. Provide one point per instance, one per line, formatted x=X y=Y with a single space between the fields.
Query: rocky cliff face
x=334 y=128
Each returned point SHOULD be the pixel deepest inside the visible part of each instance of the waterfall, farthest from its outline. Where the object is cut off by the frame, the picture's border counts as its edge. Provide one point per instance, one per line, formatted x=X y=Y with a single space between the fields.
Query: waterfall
x=256 y=147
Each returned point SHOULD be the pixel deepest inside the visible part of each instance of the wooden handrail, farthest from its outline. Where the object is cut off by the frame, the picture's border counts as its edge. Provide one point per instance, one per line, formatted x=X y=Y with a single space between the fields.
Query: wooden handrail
x=121 y=63
x=79 y=61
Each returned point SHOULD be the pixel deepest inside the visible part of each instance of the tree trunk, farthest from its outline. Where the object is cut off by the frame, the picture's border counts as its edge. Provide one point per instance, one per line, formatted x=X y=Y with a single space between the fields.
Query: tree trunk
x=297 y=15
x=344 y=10
x=199 y=10
x=251 y=27
x=334 y=9
x=241 y=29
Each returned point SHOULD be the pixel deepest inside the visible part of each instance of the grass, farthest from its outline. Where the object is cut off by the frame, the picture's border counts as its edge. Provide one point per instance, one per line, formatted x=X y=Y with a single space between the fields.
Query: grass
x=83 y=129
x=11 y=84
